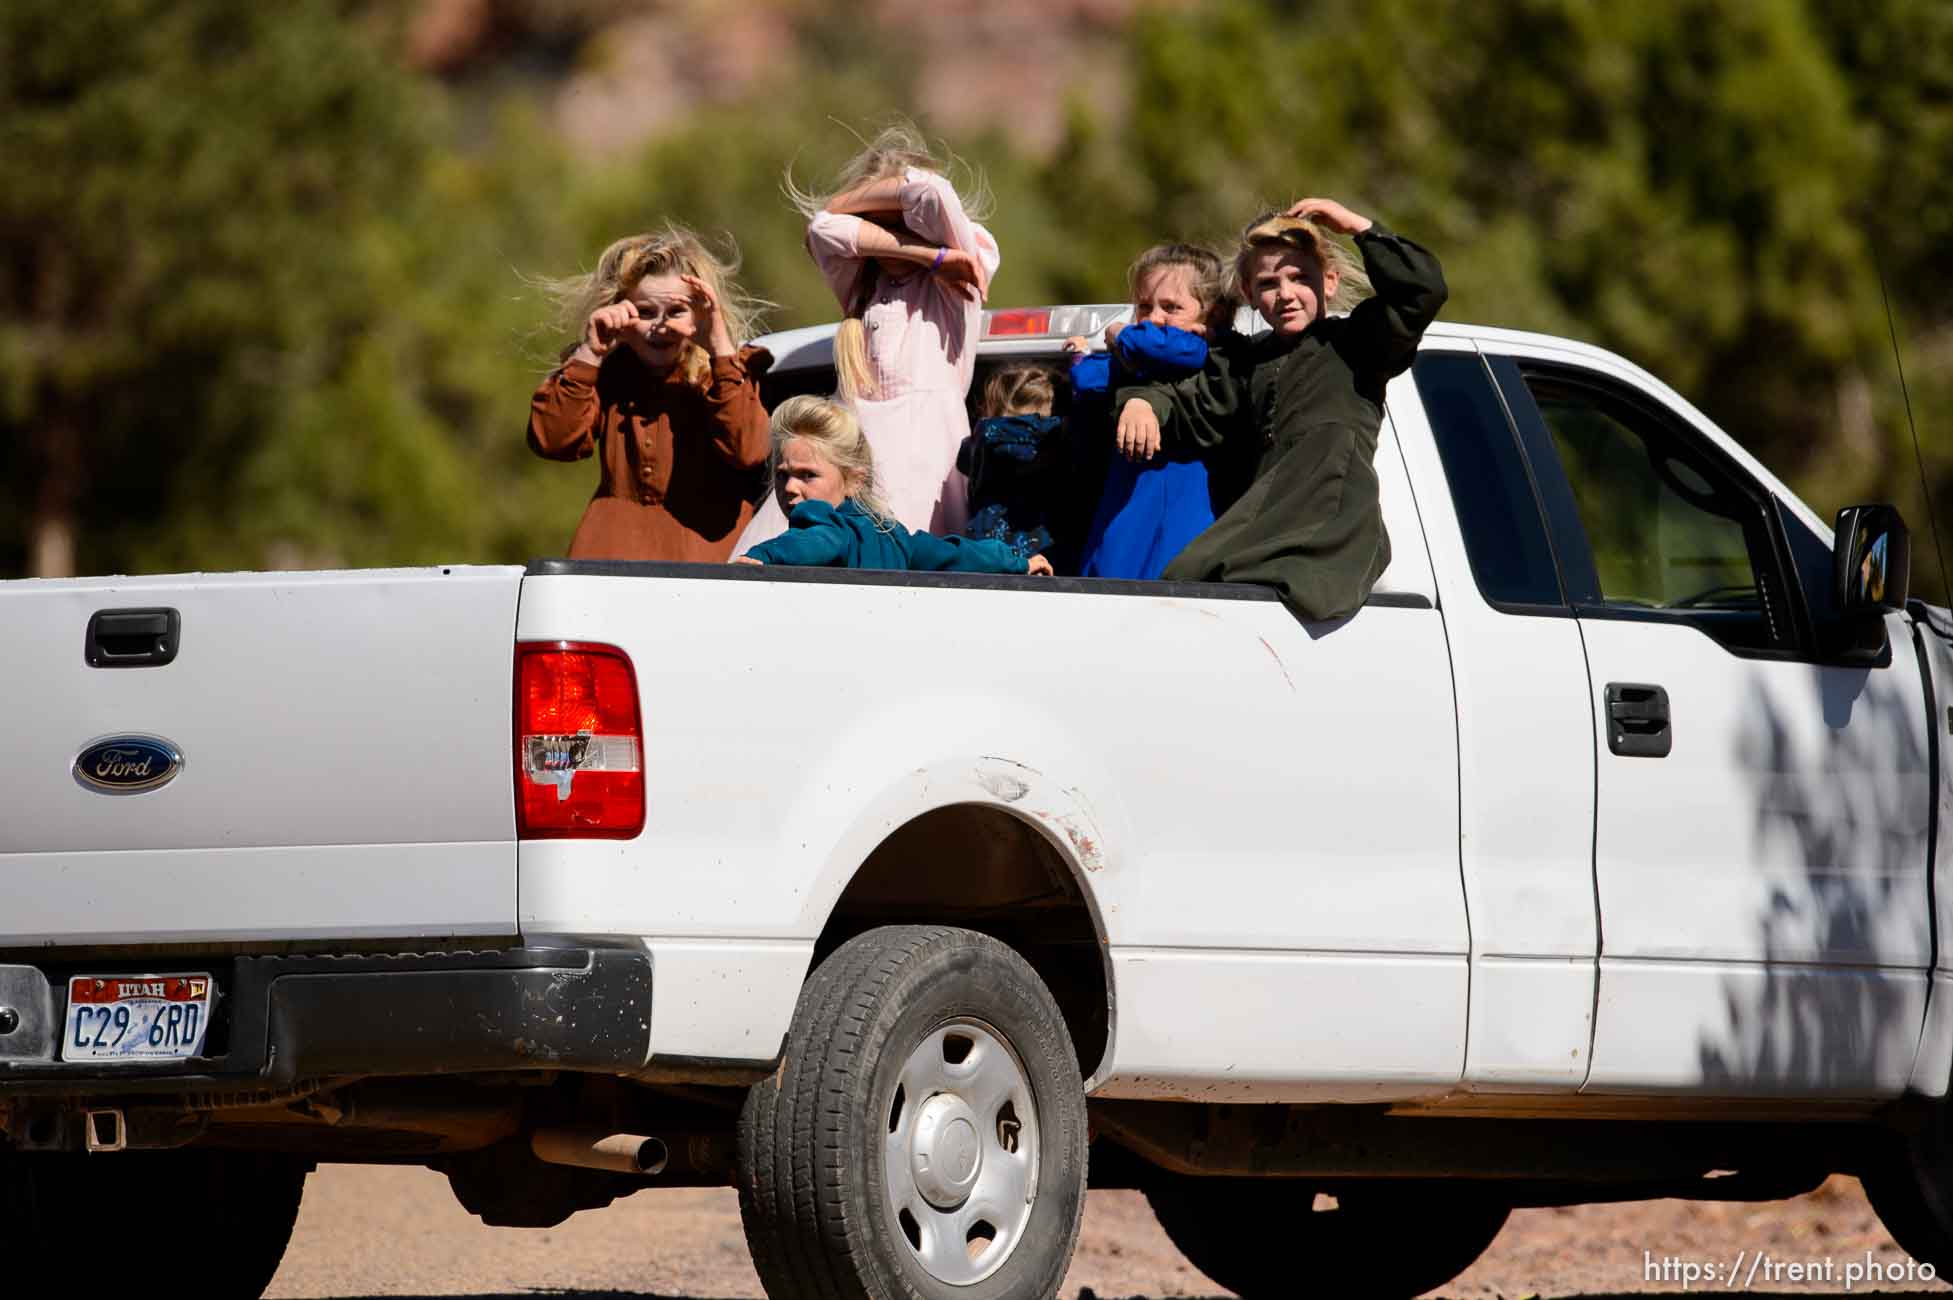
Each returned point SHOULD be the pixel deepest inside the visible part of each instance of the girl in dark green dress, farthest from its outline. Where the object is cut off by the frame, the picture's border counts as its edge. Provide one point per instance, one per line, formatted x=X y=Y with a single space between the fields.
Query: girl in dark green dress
x=1309 y=396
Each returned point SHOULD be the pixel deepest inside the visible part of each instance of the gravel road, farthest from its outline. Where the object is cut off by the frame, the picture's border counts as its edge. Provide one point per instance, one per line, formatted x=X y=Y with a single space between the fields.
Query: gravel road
x=398 y=1232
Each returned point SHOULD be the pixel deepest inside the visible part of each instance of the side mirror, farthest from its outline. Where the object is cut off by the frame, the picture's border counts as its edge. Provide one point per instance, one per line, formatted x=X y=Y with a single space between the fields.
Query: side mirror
x=1872 y=564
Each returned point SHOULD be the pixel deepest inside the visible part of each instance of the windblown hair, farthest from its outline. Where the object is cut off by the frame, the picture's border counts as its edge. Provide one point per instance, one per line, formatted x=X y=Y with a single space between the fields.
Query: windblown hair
x=894 y=150
x=1022 y=388
x=835 y=432
x=1275 y=231
x=1209 y=279
x=668 y=250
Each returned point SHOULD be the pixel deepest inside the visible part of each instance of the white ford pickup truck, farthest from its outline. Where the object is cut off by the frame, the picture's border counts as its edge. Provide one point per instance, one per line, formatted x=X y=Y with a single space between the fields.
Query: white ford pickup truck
x=1594 y=859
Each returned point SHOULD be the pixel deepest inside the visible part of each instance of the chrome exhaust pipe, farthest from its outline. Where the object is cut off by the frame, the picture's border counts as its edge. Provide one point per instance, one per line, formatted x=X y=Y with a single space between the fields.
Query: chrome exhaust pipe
x=593 y=1148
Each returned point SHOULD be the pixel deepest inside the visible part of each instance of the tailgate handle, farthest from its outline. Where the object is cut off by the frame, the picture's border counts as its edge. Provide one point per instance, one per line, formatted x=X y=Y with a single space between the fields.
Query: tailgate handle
x=132 y=638
x=1637 y=720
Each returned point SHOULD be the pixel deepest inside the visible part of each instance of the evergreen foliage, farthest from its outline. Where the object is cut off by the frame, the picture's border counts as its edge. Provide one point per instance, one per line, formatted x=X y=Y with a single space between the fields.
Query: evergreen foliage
x=267 y=298
x=1711 y=190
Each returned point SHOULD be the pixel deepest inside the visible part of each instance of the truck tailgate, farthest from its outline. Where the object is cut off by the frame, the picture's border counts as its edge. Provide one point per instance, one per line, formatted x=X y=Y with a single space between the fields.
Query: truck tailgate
x=345 y=760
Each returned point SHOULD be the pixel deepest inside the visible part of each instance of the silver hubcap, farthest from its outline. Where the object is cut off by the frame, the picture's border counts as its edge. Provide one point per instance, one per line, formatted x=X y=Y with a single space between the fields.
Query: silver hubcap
x=961 y=1159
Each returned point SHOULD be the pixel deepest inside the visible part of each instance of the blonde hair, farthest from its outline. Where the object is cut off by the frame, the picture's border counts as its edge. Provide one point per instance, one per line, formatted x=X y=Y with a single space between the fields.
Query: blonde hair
x=1019 y=389
x=892 y=152
x=894 y=149
x=668 y=250
x=836 y=434
x=1275 y=231
x=1206 y=275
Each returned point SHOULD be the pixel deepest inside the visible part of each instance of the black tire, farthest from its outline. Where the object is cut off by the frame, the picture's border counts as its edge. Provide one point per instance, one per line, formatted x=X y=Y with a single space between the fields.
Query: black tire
x=1262 y=1237
x=965 y=1020
x=1910 y=1187
x=18 y=1217
x=240 y=1206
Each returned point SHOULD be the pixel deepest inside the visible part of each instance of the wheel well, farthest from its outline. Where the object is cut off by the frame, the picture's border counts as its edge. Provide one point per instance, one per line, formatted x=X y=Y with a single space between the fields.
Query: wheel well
x=983 y=869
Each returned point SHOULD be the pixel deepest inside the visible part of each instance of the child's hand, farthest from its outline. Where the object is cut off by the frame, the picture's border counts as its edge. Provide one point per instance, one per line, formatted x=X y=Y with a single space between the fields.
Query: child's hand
x=964 y=271
x=1112 y=331
x=1039 y=567
x=607 y=326
x=711 y=320
x=1078 y=345
x=747 y=559
x=1328 y=212
x=1138 y=438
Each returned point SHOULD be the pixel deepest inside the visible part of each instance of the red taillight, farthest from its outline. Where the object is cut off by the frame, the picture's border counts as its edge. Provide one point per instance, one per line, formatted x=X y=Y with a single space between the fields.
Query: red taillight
x=1017 y=320
x=579 y=743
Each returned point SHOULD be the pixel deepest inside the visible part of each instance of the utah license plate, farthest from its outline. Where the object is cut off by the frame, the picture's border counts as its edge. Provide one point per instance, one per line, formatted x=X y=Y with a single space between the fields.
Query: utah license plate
x=136 y=1017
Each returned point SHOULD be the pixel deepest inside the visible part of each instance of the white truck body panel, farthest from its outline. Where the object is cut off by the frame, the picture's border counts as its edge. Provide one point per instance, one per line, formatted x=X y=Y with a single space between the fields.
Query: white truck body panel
x=1763 y=888
x=1763 y=892
x=346 y=743
x=1173 y=805
x=1934 y=1063
x=1526 y=782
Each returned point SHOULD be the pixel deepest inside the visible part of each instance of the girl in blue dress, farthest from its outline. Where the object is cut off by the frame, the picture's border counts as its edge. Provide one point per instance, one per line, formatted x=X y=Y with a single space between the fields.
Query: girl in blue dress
x=1149 y=508
x=824 y=482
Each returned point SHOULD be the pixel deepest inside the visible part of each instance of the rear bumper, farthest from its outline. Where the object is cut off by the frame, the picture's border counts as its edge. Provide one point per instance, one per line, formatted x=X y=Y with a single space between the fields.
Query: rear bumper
x=286 y=1019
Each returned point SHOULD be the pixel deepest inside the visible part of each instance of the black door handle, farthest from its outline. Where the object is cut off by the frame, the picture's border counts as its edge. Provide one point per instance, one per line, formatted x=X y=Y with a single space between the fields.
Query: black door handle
x=1637 y=720
x=132 y=638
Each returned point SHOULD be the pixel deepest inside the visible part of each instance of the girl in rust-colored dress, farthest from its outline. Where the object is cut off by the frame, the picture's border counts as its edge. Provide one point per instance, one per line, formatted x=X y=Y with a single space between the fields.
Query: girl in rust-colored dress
x=658 y=390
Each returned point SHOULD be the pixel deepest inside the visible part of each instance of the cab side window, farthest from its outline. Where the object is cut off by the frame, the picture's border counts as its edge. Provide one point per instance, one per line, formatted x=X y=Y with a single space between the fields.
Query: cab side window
x=1661 y=527
x=1661 y=534
x=1491 y=489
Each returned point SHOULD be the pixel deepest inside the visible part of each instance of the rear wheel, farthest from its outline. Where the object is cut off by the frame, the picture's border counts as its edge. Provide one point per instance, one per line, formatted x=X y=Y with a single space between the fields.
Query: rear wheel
x=239 y=1206
x=925 y=1134
x=1263 y=1237
x=1911 y=1189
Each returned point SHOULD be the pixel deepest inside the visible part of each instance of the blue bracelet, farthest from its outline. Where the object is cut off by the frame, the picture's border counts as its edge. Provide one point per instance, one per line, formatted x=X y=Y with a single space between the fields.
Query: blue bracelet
x=941 y=253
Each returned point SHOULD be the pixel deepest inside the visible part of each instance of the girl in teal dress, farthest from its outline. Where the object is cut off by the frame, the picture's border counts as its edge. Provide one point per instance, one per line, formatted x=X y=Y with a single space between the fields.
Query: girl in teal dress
x=824 y=482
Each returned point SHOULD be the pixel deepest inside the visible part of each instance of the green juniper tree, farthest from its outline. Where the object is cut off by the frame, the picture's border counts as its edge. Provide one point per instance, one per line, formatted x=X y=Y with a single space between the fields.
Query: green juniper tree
x=1708 y=188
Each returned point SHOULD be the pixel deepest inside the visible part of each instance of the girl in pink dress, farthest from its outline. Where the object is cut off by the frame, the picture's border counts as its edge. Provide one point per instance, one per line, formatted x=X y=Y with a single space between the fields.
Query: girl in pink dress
x=910 y=268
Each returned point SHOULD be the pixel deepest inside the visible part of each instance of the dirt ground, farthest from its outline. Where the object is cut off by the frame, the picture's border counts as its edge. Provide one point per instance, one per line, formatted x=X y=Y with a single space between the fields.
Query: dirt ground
x=398 y=1232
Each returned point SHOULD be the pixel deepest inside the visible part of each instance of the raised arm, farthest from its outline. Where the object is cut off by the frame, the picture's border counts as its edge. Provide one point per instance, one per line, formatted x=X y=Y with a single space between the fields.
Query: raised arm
x=913 y=218
x=1380 y=337
x=563 y=413
x=833 y=243
x=933 y=210
x=736 y=416
x=854 y=226
x=840 y=243
x=884 y=195
x=1383 y=331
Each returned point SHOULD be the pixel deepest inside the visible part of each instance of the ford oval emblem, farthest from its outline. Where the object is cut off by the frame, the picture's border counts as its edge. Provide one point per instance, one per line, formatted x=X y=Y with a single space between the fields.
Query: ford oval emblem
x=128 y=764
